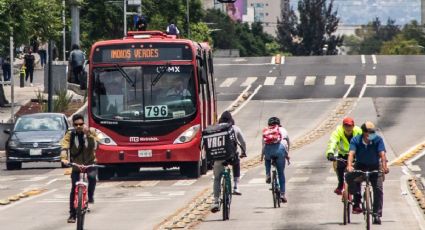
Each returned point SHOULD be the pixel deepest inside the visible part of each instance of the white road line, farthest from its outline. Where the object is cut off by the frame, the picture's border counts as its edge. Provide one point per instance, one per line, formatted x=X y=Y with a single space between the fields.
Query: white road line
x=109 y=184
x=151 y=183
x=249 y=81
x=411 y=80
x=298 y=179
x=349 y=80
x=282 y=60
x=184 y=182
x=374 y=59
x=243 y=64
x=361 y=93
x=330 y=80
x=391 y=80
x=273 y=61
x=257 y=181
x=51 y=181
x=37 y=178
x=229 y=81
x=348 y=91
x=271 y=71
x=397 y=86
x=290 y=80
x=269 y=80
x=239 y=97
x=247 y=100
x=363 y=59
x=371 y=79
x=310 y=80
x=297 y=101
x=174 y=193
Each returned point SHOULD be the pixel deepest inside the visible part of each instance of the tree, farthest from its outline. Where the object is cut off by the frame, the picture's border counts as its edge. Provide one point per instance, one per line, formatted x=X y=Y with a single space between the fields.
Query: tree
x=312 y=32
x=200 y=32
x=414 y=31
x=225 y=33
x=401 y=46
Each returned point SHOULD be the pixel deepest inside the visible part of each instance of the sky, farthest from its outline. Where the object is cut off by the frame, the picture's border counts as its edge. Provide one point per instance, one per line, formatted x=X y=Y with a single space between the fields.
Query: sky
x=358 y=12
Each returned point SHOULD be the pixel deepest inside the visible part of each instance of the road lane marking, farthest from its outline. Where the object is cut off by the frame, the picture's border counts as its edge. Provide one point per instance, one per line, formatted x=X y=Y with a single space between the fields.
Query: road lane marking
x=273 y=61
x=257 y=181
x=37 y=178
x=2 y=208
x=247 y=100
x=7 y=178
x=282 y=60
x=297 y=101
x=249 y=81
x=391 y=80
x=109 y=184
x=330 y=80
x=411 y=80
x=363 y=59
x=348 y=91
x=229 y=81
x=362 y=92
x=51 y=181
x=298 y=179
x=303 y=171
x=331 y=179
x=310 y=80
x=174 y=193
x=271 y=71
x=244 y=64
x=269 y=80
x=371 y=79
x=239 y=98
x=290 y=80
x=151 y=183
x=184 y=182
x=349 y=79
x=374 y=59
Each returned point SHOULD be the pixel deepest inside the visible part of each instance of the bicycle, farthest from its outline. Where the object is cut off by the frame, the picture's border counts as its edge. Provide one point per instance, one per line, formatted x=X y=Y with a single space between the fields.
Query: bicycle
x=367 y=196
x=346 y=198
x=226 y=187
x=81 y=203
x=275 y=185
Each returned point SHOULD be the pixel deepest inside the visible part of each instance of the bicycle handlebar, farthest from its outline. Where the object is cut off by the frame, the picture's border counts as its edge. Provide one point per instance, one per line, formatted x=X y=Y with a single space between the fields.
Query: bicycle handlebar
x=367 y=172
x=86 y=166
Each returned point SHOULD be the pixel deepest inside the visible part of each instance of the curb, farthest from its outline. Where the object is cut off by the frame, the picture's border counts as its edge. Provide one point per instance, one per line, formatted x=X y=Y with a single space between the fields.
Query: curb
x=25 y=194
x=409 y=154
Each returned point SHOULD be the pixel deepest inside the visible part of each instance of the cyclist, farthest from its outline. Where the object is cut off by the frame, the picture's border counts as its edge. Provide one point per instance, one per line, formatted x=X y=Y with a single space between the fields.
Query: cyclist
x=226 y=117
x=275 y=143
x=76 y=60
x=81 y=144
x=338 y=146
x=369 y=151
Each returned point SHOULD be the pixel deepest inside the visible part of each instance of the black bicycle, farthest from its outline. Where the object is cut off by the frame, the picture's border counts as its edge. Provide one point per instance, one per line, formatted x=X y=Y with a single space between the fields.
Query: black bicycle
x=275 y=185
x=226 y=186
x=367 y=196
x=347 y=198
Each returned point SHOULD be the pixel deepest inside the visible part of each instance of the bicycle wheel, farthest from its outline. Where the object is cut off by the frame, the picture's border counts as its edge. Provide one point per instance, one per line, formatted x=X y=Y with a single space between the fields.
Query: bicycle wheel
x=80 y=210
x=224 y=199
x=346 y=202
x=274 y=189
x=367 y=211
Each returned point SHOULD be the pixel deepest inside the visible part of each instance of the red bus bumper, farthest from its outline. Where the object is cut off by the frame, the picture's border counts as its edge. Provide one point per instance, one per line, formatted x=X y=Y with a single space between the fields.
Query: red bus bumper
x=161 y=154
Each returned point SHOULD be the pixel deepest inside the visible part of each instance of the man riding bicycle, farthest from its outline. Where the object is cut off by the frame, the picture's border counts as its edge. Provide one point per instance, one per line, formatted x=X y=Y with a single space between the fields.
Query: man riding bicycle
x=275 y=144
x=81 y=144
x=338 y=146
x=226 y=117
x=369 y=151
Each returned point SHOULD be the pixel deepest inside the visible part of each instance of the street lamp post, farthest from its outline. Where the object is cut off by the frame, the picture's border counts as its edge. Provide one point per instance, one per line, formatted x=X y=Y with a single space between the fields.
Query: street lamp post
x=125 y=18
x=187 y=19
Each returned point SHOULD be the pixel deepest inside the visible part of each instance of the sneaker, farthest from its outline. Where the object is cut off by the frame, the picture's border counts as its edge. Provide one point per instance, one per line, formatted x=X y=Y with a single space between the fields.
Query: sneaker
x=357 y=209
x=71 y=219
x=376 y=220
x=91 y=200
x=215 y=207
x=283 y=198
x=268 y=179
x=31 y=85
x=236 y=192
x=338 y=190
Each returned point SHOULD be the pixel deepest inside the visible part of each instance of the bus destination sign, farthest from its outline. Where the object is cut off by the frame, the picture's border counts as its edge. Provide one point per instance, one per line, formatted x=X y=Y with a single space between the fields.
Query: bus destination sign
x=141 y=52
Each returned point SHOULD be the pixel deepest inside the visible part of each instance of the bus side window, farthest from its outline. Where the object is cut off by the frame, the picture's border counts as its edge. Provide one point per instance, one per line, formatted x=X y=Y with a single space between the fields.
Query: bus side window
x=201 y=75
x=210 y=62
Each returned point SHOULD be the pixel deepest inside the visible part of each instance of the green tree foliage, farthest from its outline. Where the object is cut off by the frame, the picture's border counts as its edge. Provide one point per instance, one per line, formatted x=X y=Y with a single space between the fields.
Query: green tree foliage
x=414 y=31
x=24 y=19
x=313 y=31
x=224 y=33
x=400 y=45
x=200 y=32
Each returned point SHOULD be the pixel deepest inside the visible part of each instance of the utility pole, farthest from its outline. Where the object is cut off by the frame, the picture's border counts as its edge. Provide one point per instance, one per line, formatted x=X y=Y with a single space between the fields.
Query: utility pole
x=12 y=82
x=63 y=31
x=49 y=78
x=125 y=18
x=75 y=15
x=187 y=19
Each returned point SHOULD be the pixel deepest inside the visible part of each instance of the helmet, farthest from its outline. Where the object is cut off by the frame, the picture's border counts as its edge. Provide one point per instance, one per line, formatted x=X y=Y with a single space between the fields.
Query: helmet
x=273 y=121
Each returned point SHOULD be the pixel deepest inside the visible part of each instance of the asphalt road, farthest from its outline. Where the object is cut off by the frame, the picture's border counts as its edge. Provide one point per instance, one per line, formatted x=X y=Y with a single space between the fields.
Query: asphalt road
x=142 y=201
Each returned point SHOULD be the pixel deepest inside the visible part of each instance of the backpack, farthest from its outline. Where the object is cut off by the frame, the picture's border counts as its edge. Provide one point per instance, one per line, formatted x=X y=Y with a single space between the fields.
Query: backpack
x=77 y=57
x=172 y=29
x=272 y=135
x=219 y=142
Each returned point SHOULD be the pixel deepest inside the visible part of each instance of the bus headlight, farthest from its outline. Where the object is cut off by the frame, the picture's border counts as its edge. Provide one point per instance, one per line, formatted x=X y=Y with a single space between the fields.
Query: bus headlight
x=187 y=135
x=104 y=139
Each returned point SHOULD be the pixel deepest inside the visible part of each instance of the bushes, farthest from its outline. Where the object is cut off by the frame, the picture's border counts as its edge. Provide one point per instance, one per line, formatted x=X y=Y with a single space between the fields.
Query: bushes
x=60 y=102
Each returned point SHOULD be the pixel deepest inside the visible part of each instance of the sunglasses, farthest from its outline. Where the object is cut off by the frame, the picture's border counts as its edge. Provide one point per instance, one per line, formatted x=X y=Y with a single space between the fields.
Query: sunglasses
x=78 y=124
x=371 y=131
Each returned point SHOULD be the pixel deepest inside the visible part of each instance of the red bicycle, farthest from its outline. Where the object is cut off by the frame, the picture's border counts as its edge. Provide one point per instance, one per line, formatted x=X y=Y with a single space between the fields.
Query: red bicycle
x=347 y=198
x=81 y=203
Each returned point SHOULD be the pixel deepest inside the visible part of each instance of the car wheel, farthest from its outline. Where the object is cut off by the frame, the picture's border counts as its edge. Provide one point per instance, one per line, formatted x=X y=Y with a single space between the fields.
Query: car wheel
x=13 y=165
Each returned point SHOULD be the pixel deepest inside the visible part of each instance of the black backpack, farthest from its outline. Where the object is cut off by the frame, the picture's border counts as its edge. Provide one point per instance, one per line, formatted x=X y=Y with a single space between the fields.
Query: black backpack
x=219 y=142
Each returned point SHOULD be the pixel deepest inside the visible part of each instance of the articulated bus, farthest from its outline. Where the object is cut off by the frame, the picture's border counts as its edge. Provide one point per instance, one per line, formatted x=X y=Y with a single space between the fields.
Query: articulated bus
x=150 y=95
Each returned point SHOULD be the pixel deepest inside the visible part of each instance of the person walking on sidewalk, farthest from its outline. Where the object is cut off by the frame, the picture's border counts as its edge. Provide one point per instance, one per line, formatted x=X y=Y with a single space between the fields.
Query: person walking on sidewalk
x=6 y=69
x=76 y=60
x=42 y=51
x=29 y=60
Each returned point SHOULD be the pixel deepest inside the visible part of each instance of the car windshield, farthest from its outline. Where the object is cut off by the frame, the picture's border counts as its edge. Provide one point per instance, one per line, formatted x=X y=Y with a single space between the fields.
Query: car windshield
x=24 y=124
x=148 y=93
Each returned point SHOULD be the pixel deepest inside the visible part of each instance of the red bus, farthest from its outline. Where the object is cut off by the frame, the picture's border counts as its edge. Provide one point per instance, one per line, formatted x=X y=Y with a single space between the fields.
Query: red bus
x=150 y=95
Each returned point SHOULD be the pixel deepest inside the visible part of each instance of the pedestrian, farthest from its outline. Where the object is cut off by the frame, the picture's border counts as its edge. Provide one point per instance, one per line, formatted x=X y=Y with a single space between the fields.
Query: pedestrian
x=76 y=60
x=172 y=29
x=42 y=51
x=79 y=146
x=6 y=69
x=29 y=60
x=142 y=23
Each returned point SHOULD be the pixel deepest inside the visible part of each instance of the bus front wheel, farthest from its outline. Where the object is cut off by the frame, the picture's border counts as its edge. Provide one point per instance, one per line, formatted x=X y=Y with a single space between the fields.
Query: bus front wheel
x=191 y=169
x=105 y=173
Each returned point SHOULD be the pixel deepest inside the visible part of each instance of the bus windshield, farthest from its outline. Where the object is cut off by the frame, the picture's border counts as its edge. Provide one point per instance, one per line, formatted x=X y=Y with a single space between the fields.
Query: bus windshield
x=147 y=93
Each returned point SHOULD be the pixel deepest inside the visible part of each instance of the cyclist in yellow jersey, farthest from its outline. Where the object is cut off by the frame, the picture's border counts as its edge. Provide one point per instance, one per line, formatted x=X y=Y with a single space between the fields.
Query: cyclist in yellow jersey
x=339 y=145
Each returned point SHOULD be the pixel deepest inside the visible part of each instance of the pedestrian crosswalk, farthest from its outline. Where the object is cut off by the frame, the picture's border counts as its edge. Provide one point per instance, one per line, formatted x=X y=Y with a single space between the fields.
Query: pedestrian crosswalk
x=330 y=80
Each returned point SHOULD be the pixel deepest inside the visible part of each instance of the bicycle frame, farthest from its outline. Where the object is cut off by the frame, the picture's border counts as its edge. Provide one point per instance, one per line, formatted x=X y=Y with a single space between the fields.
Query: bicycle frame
x=275 y=185
x=346 y=197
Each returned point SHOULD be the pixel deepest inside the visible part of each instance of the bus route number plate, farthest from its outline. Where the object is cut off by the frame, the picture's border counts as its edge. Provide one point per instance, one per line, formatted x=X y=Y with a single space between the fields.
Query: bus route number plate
x=145 y=153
